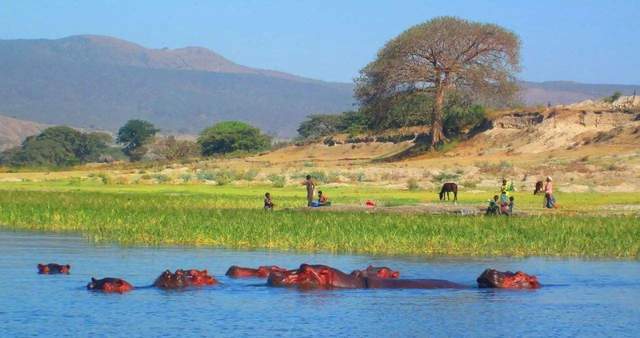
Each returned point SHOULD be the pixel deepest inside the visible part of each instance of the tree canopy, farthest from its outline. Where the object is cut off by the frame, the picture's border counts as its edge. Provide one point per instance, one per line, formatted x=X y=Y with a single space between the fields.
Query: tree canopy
x=133 y=135
x=231 y=136
x=319 y=125
x=437 y=57
x=58 y=146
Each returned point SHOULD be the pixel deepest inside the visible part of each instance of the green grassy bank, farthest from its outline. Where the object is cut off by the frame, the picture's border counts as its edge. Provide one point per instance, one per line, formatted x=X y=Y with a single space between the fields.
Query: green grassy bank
x=231 y=217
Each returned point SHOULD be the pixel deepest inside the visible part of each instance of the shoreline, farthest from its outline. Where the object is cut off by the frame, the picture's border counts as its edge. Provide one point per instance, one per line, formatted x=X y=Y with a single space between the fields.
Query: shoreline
x=227 y=218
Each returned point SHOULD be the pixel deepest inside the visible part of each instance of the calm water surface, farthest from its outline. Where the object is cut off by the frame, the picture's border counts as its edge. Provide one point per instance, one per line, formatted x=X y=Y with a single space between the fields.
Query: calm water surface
x=580 y=297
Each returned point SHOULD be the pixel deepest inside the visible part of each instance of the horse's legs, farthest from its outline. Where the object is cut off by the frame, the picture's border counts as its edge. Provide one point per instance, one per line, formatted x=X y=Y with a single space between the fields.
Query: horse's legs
x=455 y=196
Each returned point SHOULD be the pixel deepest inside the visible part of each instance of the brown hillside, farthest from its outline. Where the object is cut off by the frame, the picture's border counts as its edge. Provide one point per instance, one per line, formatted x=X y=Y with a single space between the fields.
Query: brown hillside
x=14 y=131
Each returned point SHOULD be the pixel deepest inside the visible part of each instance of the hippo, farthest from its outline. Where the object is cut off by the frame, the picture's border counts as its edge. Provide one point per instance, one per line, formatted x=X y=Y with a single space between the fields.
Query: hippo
x=53 y=268
x=326 y=277
x=261 y=272
x=491 y=278
x=183 y=279
x=109 y=285
x=315 y=277
x=376 y=271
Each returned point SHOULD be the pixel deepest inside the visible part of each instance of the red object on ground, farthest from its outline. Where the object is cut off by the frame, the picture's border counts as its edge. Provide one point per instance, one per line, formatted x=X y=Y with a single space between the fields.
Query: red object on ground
x=370 y=203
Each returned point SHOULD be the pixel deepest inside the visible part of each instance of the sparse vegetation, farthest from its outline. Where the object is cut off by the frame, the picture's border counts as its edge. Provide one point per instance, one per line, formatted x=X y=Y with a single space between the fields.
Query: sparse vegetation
x=611 y=99
x=278 y=181
x=412 y=184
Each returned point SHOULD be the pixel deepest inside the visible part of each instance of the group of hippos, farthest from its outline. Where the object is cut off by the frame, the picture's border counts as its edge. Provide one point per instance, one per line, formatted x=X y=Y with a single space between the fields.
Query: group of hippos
x=307 y=277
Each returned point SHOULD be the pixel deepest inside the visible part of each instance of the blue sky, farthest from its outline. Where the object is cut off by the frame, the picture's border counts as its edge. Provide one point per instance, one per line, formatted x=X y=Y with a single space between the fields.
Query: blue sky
x=586 y=41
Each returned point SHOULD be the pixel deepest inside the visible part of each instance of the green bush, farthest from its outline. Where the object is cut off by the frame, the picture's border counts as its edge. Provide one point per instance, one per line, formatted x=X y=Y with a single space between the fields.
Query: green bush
x=610 y=99
x=186 y=178
x=224 y=177
x=232 y=136
x=250 y=174
x=206 y=175
x=277 y=181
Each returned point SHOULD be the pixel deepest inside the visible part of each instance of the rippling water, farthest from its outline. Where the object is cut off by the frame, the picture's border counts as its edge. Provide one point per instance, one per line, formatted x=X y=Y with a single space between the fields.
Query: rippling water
x=579 y=297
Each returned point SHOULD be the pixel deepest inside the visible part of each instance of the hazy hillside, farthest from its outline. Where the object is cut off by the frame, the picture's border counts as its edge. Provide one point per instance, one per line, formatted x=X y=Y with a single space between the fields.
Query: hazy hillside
x=100 y=82
x=564 y=92
x=13 y=131
x=89 y=81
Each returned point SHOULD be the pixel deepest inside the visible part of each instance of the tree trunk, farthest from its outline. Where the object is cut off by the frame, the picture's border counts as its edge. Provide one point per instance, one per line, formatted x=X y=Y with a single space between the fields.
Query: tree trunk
x=437 y=130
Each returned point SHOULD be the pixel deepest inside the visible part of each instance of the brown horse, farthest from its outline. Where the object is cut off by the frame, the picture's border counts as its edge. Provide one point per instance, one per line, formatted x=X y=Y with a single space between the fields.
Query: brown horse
x=539 y=186
x=447 y=188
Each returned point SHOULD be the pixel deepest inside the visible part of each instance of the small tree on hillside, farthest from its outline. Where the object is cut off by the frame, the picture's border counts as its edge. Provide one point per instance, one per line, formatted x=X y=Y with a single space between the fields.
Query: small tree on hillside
x=441 y=55
x=134 y=135
x=230 y=136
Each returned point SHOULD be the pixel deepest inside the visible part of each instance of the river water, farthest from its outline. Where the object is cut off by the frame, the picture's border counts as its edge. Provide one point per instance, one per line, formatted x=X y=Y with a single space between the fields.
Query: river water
x=579 y=297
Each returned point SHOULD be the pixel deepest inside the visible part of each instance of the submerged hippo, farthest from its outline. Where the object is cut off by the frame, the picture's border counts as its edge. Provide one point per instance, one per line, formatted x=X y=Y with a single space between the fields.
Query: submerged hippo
x=376 y=271
x=109 y=285
x=491 y=278
x=317 y=276
x=183 y=279
x=322 y=276
x=53 y=268
x=261 y=272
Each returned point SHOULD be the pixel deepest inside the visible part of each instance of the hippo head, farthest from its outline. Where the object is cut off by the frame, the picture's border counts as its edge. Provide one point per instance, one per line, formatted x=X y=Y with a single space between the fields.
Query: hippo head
x=306 y=277
x=200 y=277
x=43 y=268
x=93 y=285
x=167 y=279
x=53 y=268
x=381 y=272
x=491 y=278
x=264 y=271
x=109 y=285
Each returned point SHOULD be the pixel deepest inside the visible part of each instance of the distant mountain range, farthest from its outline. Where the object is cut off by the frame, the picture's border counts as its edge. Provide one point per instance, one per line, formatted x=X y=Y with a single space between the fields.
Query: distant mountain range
x=564 y=92
x=100 y=82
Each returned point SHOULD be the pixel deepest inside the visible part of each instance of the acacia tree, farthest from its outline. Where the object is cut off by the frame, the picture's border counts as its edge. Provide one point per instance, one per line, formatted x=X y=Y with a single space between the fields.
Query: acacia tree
x=439 y=56
x=133 y=135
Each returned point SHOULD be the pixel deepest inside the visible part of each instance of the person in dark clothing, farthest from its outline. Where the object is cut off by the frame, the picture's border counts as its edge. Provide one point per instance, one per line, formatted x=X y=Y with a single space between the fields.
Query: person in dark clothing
x=268 y=203
x=493 y=208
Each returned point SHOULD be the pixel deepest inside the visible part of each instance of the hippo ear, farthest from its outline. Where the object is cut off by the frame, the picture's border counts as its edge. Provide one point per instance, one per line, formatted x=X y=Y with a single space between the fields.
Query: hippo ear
x=93 y=279
x=68 y=266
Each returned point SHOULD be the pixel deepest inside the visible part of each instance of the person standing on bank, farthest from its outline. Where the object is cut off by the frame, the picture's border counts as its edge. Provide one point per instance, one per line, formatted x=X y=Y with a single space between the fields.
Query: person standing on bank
x=549 y=200
x=311 y=186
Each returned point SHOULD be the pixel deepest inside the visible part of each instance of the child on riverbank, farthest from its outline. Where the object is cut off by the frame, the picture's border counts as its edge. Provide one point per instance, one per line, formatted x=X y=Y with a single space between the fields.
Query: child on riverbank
x=493 y=208
x=268 y=203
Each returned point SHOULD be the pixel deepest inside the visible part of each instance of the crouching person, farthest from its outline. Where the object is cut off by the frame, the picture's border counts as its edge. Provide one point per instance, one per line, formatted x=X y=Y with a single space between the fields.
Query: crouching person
x=493 y=208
